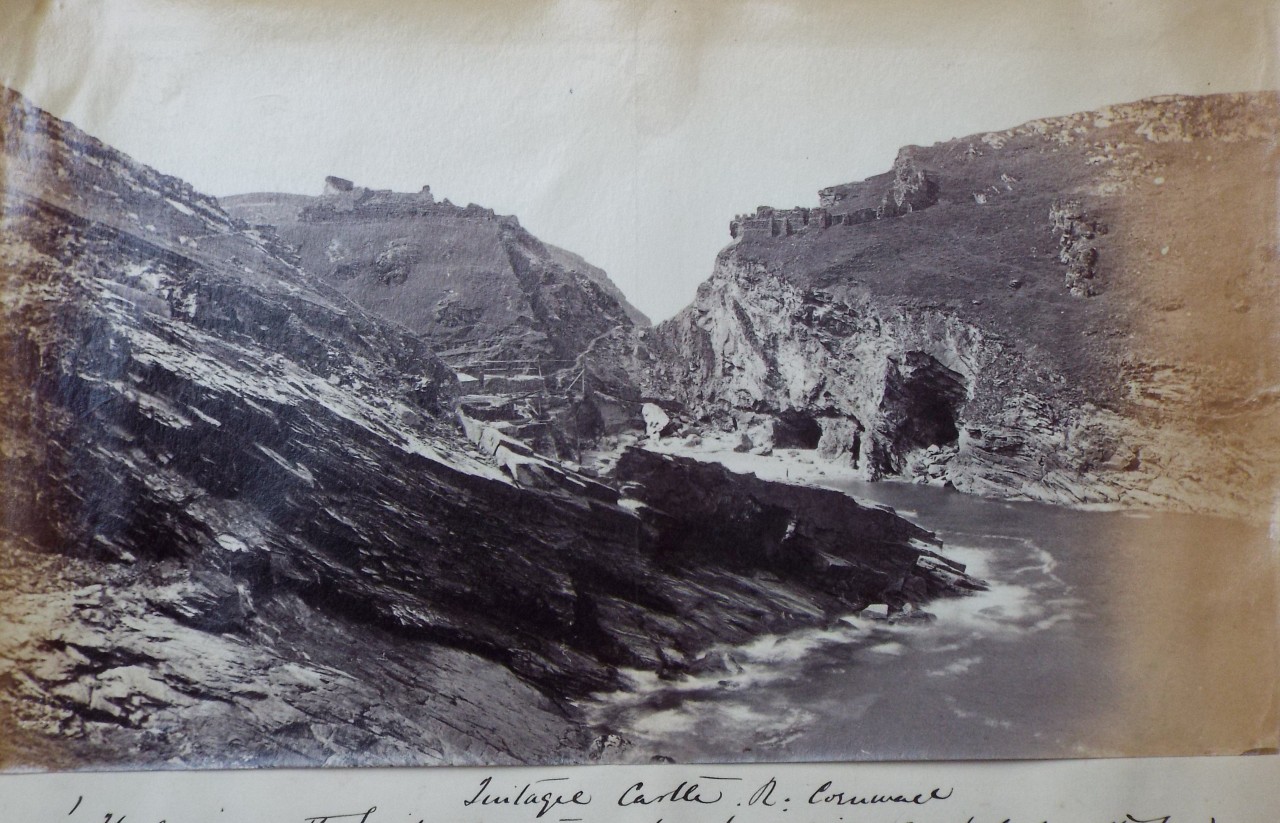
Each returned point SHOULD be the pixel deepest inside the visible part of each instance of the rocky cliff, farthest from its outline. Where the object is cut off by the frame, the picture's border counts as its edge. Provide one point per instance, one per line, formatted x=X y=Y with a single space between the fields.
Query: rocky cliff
x=1080 y=309
x=475 y=285
x=241 y=521
x=541 y=336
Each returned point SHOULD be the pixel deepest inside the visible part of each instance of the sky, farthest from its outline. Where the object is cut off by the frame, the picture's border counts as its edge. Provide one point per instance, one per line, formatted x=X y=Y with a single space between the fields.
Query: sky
x=627 y=132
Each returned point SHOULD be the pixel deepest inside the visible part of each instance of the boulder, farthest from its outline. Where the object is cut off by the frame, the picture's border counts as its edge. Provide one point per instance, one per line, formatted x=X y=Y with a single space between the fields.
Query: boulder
x=876 y=611
x=655 y=421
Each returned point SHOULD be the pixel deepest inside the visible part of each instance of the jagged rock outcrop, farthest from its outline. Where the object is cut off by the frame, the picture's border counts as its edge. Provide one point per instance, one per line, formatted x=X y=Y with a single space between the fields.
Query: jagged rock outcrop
x=1074 y=310
x=1075 y=249
x=241 y=523
x=706 y=515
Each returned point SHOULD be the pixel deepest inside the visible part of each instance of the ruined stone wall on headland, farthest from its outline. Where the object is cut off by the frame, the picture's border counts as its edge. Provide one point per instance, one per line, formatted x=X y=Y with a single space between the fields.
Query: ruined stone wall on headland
x=770 y=222
x=343 y=200
x=909 y=187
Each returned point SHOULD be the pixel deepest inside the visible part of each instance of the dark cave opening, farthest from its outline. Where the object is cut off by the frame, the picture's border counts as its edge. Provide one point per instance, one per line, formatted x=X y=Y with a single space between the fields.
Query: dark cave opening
x=932 y=421
x=796 y=430
x=921 y=408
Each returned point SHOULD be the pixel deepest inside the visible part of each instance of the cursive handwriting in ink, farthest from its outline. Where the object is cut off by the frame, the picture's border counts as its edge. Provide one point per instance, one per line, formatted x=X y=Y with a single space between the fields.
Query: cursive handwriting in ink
x=107 y=817
x=824 y=795
x=763 y=796
x=527 y=796
x=684 y=792
x=325 y=818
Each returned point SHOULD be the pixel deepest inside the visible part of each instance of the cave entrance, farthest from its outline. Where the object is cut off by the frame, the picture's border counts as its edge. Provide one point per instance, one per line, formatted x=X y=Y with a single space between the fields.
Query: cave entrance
x=796 y=430
x=920 y=408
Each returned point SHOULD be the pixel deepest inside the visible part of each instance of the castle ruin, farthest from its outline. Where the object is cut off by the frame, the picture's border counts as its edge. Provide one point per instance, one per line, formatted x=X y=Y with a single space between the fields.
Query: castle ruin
x=344 y=200
x=907 y=188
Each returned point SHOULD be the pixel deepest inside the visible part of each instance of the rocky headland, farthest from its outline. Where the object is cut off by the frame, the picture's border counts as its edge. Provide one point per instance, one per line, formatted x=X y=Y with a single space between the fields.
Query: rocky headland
x=541 y=339
x=1079 y=310
x=474 y=284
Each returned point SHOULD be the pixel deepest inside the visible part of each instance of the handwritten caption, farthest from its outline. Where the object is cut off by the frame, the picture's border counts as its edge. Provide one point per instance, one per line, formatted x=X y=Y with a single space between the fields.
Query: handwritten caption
x=708 y=798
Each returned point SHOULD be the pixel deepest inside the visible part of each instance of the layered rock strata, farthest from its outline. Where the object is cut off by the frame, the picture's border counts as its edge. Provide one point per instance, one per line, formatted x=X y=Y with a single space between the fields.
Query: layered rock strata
x=240 y=522
x=533 y=329
x=1080 y=310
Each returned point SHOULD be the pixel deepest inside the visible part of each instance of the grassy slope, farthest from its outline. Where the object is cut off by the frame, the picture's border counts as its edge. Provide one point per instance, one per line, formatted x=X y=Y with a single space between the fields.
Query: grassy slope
x=1206 y=306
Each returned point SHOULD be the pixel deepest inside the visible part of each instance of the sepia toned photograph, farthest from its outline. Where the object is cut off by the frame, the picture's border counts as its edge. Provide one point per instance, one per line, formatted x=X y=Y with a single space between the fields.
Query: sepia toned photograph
x=446 y=384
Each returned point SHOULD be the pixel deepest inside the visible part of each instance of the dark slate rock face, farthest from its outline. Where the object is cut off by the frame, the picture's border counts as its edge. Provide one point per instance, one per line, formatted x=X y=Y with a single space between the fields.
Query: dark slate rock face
x=240 y=524
x=709 y=516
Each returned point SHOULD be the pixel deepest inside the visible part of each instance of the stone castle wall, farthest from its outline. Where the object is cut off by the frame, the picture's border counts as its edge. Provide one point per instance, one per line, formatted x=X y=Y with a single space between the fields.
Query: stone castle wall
x=343 y=200
x=907 y=188
x=770 y=222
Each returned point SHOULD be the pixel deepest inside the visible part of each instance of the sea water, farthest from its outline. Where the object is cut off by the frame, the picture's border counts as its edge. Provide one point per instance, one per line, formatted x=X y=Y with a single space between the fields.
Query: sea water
x=1103 y=633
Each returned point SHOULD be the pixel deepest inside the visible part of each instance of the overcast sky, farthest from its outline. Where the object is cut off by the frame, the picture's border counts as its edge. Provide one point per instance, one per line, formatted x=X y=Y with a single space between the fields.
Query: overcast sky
x=628 y=132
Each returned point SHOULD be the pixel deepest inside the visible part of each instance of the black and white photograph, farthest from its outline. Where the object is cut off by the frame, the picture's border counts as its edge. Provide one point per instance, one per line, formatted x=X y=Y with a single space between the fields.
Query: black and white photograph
x=496 y=383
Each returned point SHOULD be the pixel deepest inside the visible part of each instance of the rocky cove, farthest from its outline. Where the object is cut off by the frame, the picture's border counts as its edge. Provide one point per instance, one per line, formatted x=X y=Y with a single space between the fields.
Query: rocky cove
x=922 y=394
x=1010 y=314
x=245 y=522
x=1093 y=639
x=282 y=490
